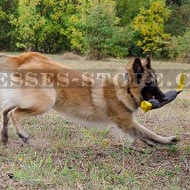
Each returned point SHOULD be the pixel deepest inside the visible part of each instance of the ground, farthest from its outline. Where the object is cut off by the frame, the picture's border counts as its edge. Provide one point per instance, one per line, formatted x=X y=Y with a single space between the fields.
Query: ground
x=65 y=155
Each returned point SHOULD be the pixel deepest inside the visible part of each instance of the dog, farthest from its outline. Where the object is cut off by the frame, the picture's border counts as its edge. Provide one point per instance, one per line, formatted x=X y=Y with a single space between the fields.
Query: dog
x=103 y=103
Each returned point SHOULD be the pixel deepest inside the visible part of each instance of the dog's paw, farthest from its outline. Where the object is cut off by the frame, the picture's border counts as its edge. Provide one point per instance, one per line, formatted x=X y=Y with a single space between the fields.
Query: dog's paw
x=24 y=137
x=173 y=140
x=4 y=140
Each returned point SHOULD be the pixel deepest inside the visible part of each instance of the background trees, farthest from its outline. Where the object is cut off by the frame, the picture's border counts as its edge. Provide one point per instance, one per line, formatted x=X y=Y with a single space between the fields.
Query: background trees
x=100 y=28
x=179 y=46
x=8 y=10
x=102 y=35
x=149 y=23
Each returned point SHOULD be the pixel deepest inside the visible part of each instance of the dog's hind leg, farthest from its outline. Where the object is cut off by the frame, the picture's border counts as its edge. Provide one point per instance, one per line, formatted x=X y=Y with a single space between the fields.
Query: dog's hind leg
x=4 y=127
x=17 y=114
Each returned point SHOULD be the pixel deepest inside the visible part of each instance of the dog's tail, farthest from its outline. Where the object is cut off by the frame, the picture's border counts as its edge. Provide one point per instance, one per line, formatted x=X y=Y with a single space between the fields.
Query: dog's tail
x=8 y=66
x=14 y=62
x=7 y=62
x=11 y=62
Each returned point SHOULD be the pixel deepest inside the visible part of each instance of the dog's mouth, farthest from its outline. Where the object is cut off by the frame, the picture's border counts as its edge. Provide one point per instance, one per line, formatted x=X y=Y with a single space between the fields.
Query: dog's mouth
x=152 y=92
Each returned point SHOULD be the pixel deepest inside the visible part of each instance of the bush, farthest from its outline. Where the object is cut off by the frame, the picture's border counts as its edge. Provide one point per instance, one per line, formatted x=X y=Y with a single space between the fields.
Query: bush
x=103 y=36
x=99 y=29
x=179 y=47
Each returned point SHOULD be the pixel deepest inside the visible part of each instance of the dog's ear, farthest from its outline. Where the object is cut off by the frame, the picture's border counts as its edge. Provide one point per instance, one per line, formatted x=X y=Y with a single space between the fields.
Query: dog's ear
x=148 y=62
x=137 y=66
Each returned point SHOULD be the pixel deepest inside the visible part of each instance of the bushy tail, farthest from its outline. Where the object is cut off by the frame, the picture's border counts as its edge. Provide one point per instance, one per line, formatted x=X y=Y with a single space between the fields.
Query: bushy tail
x=14 y=62
x=7 y=62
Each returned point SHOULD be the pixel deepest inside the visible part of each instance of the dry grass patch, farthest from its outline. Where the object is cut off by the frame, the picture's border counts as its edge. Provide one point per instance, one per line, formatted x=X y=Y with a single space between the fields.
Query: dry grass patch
x=71 y=56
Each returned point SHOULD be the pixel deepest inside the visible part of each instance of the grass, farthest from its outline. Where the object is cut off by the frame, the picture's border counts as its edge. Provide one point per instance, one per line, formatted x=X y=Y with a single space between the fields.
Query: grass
x=65 y=155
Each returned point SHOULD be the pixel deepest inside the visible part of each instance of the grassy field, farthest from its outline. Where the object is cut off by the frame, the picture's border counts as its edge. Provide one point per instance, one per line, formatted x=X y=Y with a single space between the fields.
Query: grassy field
x=65 y=155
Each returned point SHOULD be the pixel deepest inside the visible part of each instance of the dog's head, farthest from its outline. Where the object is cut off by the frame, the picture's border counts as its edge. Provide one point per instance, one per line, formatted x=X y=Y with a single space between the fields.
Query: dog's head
x=142 y=79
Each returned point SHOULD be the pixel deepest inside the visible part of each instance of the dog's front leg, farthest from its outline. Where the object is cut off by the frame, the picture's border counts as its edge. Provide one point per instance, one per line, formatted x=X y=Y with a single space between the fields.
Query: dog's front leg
x=137 y=131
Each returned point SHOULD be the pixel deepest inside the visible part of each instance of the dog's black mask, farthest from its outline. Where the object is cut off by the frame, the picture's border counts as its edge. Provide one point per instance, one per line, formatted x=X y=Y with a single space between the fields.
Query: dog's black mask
x=150 y=92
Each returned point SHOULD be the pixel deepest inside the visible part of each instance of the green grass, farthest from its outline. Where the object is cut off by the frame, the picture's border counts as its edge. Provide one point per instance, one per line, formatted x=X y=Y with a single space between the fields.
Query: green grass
x=65 y=155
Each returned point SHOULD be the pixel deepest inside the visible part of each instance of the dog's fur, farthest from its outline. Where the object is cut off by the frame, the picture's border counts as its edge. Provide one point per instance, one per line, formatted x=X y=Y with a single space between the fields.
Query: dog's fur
x=105 y=103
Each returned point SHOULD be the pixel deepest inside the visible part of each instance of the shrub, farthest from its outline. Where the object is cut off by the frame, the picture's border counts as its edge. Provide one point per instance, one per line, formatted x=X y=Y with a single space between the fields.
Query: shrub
x=179 y=46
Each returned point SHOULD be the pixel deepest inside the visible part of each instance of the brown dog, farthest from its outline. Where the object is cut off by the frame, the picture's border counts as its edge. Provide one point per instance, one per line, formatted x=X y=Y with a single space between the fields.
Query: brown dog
x=28 y=93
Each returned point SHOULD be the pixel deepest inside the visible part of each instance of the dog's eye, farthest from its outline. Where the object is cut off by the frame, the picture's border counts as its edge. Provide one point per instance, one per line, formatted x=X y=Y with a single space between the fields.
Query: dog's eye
x=139 y=77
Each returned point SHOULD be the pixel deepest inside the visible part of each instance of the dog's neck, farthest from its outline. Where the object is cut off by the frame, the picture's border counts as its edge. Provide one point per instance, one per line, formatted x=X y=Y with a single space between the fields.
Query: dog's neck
x=129 y=91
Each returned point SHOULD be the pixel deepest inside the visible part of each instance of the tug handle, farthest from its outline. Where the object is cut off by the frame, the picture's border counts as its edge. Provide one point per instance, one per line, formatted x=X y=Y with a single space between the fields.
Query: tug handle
x=181 y=82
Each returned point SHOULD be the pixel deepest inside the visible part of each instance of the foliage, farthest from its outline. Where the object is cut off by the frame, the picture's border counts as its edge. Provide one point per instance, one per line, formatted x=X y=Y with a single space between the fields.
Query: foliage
x=179 y=19
x=149 y=23
x=179 y=46
x=122 y=42
x=117 y=28
x=128 y=9
x=7 y=10
x=174 y=2
x=27 y=23
x=100 y=28
x=48 y=26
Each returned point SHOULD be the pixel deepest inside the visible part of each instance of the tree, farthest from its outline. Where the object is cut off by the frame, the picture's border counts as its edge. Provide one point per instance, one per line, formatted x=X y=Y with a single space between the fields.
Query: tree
x=149 y=23
x=179 y=46
x=101 y=32
x=126 y=10
x=47 y=26
x=27 y=23
x=7 y=10
x=99 y=27
x=174 y=2
x=179 y=19
x=61 y=31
